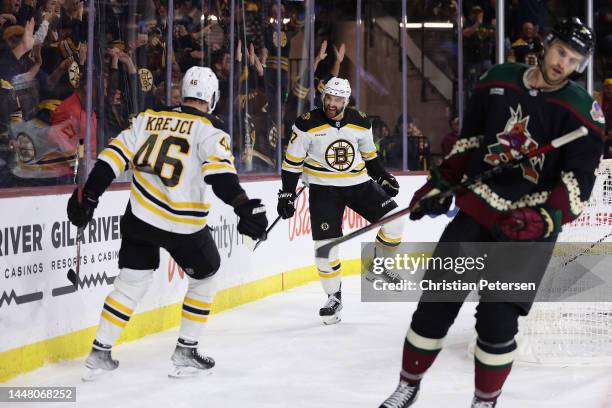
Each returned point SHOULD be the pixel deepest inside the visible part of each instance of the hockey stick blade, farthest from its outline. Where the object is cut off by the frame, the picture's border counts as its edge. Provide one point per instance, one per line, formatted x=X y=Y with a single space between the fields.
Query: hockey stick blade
x=72 y=277
x=323 y=251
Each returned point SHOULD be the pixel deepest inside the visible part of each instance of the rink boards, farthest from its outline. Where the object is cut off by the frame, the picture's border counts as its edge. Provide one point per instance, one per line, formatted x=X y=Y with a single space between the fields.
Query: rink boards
x=43 y=318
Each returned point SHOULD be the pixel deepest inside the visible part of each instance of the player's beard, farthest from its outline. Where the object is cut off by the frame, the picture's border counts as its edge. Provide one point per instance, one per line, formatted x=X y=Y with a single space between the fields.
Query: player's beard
x=333 y=113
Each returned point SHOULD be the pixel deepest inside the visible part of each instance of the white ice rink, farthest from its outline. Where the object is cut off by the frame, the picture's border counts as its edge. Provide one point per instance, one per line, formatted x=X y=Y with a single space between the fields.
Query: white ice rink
x=276 y=353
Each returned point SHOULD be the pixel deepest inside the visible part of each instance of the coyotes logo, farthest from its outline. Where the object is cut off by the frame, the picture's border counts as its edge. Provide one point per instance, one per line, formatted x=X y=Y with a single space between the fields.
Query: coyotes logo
x=515 y=141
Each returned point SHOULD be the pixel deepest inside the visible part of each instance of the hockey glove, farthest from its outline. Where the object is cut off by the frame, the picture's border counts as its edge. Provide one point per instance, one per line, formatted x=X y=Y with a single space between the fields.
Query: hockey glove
x=528 y=224
x=426 y=204
x=389 y=184
x=286 y=204
x=253 y=221
x=80 y=214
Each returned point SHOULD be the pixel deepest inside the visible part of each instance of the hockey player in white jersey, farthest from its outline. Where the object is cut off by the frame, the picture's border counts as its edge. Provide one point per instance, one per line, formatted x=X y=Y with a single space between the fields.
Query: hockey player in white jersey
x=332 y=148
x=173 y=153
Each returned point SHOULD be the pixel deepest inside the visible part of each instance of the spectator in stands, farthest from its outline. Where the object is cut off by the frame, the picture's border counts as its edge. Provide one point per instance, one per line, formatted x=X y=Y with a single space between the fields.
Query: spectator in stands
x=257 y=134
x=298 y=99
x=272 y=44
x=486 y=6
x=478 y=38
x=129 y=91
x=527 y=49
x=18 y=42
x=381 y=133
x=151 y=55
x=451 y=137
x=533 y=11
x=187 y=9
x=220 y=64
x=69 y=120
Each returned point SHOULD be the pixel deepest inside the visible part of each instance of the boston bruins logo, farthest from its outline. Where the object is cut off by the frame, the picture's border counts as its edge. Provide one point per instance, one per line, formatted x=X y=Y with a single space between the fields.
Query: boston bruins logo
x=74 y=75
x=340 y=155
x=146 y=79
x=283 y=39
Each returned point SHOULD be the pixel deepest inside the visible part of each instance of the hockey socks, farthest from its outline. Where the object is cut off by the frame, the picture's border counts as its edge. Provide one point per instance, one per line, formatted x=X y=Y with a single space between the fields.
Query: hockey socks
x=419 y=354
x=330 y=269
x=116 y=313
x=330 y=276
x=492 y=363
x=196 y=308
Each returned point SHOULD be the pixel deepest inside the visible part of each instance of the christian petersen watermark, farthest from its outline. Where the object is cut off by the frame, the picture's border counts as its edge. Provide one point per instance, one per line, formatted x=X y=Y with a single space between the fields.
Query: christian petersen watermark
x=427 y=285
x=485 y=271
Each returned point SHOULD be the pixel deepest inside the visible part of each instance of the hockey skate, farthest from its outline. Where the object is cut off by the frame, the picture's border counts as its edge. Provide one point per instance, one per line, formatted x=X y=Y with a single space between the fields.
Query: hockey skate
x=478 y=403
x=99 y=362
x=330 y=312
x=187 y=362
x=404 y=396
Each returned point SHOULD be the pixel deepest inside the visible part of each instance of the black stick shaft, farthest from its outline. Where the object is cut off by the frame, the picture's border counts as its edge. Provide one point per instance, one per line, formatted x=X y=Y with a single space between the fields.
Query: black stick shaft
x=259 y=241
x=323 y=251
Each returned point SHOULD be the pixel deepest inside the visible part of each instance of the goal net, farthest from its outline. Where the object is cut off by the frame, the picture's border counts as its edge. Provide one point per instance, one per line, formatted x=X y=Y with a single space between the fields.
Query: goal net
x=577 y=327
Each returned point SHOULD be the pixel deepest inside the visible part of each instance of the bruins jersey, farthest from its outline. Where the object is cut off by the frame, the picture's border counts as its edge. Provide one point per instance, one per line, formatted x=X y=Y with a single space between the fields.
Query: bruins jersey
x=171 y=151
x=329 y=152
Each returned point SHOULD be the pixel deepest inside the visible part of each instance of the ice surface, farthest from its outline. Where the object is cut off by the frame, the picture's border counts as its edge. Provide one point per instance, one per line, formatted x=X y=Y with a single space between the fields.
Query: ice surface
x=276 y=353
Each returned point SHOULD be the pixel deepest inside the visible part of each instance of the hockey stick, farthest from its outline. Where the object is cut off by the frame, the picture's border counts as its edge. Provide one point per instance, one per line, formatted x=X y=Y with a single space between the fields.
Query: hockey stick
x=72 y=275
x=323 y=251
x=251 y=244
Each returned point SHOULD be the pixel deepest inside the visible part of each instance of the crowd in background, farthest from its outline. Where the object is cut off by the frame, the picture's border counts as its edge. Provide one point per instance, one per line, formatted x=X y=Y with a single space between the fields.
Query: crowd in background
x=43 y=64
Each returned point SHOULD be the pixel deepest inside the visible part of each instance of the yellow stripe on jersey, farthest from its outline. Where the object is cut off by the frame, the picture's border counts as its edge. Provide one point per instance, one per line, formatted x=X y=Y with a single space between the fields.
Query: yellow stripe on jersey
x=183 y=205
x=115 y=158
x=369 y=155
x=318 y=128
x=333 y=174
x=118 y=143
x=163 y=213
x=294 y=158
x=319 y=166
x=219 y=159
x=218 y=166
x=289 y=167
x=350 y=125
x=178 y=115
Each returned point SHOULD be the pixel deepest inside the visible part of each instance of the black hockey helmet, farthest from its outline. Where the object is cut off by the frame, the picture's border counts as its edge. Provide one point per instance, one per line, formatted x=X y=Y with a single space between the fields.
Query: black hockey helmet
x=577 y=35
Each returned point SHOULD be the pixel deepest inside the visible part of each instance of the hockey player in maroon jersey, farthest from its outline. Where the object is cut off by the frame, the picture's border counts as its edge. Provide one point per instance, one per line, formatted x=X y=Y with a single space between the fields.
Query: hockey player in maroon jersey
x=515 y=109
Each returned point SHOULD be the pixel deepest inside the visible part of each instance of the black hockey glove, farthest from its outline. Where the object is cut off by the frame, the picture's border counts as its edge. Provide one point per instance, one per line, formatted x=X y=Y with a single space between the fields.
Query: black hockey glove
x=253 y=221
x=389 y=184
x=80 y=214
x=286 y=204
x=426 y=204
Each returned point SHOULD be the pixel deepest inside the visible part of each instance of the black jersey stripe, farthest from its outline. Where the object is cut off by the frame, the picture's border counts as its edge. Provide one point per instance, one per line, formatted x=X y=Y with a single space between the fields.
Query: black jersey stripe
x=121 y=154
x=165 y=206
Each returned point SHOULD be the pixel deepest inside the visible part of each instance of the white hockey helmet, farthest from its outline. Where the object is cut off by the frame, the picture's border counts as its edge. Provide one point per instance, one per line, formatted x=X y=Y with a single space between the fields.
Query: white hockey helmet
x=201 y=83
x=338 y=87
